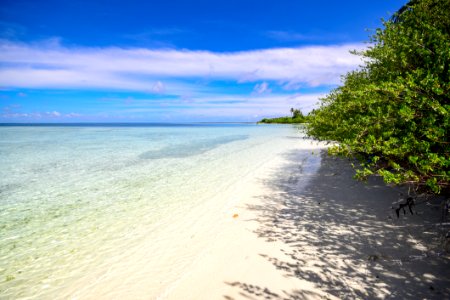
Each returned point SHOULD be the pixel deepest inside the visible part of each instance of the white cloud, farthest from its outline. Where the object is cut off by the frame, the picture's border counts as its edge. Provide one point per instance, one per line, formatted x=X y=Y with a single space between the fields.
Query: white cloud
x=49 y=65
x=288 y=36
x=39 y=115
x=262 y=88
x=268 y=105
x=158 y=87
x=72 y=115
x=215 y=107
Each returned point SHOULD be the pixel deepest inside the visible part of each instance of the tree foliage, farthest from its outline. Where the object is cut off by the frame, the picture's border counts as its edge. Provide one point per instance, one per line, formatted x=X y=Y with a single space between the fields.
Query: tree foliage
x=297 y=117
x=394 y=112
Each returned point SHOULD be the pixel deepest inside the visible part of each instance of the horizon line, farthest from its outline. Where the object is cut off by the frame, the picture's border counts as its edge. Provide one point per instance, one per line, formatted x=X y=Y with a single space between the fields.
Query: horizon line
x=115 y=123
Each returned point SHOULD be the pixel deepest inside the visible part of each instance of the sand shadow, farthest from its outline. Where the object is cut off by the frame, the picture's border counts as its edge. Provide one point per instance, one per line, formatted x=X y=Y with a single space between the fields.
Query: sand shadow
x=343 y=236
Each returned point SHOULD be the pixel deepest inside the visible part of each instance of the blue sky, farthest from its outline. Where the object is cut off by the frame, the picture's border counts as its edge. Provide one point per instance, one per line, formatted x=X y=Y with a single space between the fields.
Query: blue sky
x=172 y=61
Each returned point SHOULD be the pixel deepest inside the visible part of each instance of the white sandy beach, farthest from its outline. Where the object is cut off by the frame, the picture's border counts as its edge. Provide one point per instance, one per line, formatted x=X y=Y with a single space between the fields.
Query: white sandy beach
x=187 y=242
x=321 y=236
x=299 y=227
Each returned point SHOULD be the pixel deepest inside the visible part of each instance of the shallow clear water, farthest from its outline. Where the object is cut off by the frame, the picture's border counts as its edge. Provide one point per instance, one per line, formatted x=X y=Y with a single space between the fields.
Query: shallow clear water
x=71 y=196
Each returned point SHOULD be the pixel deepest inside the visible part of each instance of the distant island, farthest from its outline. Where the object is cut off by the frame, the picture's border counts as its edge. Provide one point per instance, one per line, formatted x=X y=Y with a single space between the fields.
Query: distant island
x=297 y=117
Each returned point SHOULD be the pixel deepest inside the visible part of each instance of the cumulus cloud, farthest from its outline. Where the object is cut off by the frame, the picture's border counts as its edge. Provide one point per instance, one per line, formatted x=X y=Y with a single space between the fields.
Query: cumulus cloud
x=50 y=65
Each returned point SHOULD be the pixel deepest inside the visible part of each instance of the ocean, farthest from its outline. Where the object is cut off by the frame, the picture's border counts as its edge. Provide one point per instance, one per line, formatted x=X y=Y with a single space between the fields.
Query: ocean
x=77 y=200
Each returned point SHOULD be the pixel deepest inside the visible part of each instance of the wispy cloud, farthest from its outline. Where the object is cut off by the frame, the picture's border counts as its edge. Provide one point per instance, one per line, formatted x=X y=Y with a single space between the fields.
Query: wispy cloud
x=292 y=36
x=158 y=87
x=38 y=115
x=250 y=107
x=262 y=88
x=288 y=36
x=157 y=37
x=11 y=31
x=50 y=65
x=226 y=105
x=11 y=107
x=157 y=32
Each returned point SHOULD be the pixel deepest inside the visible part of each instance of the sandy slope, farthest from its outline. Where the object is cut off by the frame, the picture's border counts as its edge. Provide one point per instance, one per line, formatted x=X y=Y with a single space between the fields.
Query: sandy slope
x=306 y=230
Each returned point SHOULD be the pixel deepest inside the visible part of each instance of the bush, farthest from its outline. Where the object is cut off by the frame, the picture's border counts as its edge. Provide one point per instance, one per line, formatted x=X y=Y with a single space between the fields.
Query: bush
x=394 y=112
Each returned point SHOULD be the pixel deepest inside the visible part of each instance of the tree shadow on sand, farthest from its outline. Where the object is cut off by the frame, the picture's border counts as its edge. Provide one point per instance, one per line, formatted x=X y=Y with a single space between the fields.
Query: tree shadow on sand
x=343 y=236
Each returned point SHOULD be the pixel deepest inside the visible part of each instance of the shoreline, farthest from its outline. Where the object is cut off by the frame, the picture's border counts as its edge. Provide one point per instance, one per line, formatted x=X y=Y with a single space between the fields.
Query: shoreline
x=183 y=243
x=310 y=231
x=295 y=226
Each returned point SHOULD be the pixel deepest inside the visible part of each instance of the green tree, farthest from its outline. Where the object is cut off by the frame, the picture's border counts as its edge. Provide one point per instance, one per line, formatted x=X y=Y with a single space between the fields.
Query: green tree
x=394 y=112
x=297 y=114
x=297 y=117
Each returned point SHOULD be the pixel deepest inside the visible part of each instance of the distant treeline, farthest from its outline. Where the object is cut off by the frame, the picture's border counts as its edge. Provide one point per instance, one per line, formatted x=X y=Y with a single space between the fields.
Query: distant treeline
x=297 y=117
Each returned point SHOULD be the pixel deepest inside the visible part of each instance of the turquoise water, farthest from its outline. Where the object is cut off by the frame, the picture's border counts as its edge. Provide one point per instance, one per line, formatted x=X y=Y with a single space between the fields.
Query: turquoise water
x=71 y=196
